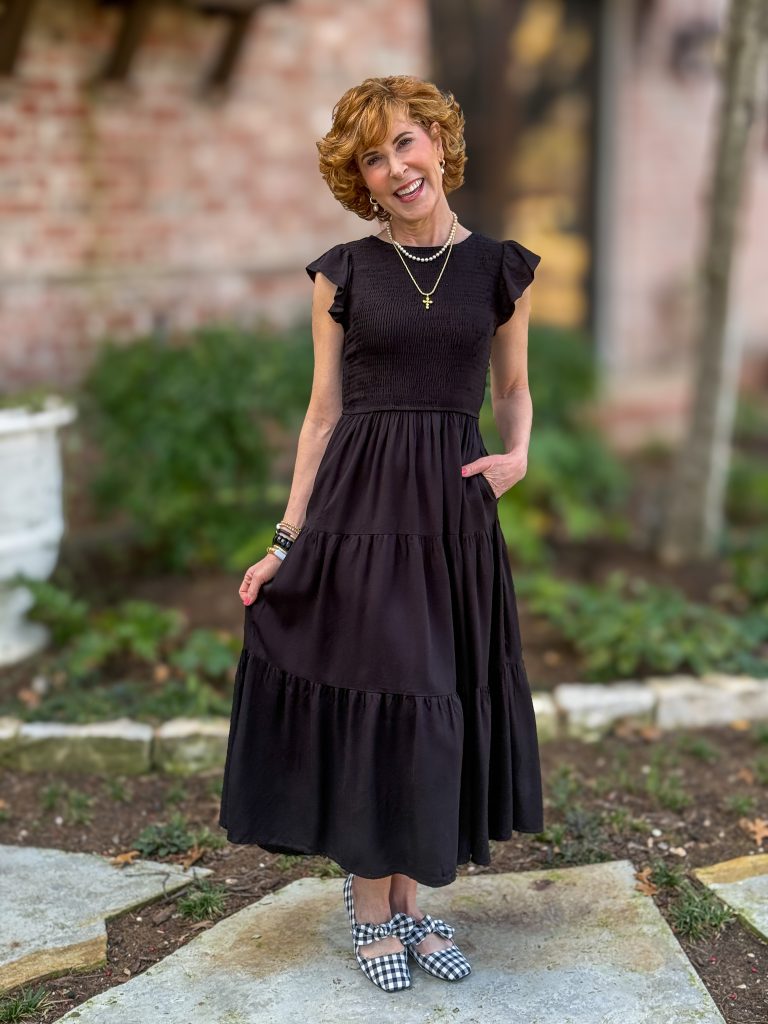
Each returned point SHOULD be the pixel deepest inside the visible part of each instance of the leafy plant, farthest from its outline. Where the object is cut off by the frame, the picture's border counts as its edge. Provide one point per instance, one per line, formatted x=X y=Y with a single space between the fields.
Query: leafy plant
x=629 y=626
x=575 y=487
x=698 y=747
x=162 y=840
x=205 y=651
x=75 y=804
x=748 y=557
x=665 y=875
x=65 y=615
x=581 y=841
x=186 y=432
x=203 y=900
x=135 y=658
x=741 y=804
x=747 y=493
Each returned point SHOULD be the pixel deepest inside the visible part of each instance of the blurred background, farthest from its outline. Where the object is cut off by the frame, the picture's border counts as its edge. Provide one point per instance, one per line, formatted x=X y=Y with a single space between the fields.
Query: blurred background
x=159 y=198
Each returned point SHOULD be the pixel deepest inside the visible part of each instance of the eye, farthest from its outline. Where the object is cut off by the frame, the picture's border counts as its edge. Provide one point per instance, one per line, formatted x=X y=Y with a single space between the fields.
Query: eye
x=370 y=161
x=406 y=140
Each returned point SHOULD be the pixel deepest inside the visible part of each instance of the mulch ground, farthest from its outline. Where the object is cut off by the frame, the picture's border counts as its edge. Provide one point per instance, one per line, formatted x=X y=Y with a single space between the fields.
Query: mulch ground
x=597 y=792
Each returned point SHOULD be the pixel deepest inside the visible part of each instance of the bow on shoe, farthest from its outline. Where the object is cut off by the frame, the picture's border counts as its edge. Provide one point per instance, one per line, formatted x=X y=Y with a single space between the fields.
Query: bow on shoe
x=401 y=925
x=425 y=926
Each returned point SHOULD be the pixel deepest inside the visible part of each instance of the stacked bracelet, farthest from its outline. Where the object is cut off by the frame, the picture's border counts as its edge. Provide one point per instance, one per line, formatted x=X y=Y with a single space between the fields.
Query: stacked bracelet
x=282 y=542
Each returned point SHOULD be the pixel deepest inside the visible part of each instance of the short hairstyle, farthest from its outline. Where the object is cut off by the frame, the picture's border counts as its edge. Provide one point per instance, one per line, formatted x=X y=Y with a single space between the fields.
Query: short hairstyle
x=362 y=119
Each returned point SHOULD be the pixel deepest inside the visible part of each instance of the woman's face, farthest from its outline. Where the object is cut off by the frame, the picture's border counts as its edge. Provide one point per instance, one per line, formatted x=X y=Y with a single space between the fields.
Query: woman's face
x=409 y=156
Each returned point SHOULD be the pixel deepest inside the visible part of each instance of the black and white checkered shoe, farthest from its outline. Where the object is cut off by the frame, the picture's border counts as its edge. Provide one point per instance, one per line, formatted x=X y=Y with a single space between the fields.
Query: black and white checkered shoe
x=390 y=970
x=449 y=964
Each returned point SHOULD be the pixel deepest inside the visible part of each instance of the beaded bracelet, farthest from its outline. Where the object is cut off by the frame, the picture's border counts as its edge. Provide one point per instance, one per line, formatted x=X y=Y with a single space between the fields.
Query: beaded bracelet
x=289 y=527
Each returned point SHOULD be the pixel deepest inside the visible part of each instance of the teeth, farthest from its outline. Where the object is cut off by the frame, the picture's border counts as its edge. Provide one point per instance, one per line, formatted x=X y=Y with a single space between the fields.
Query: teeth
x=412 y=188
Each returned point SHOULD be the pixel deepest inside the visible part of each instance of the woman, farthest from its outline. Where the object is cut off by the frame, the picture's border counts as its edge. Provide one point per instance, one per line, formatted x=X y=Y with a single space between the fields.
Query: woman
x=381 y=714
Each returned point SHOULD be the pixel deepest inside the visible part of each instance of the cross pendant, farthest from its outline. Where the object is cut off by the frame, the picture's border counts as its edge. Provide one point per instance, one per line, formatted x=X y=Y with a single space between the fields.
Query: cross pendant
x=427 y=300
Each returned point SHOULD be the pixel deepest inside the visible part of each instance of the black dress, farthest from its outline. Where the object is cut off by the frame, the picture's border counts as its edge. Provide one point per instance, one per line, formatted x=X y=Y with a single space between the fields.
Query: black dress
x=381 y=712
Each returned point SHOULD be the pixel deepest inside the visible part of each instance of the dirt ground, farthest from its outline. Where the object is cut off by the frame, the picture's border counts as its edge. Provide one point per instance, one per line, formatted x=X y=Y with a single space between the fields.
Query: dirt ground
x=598 y=793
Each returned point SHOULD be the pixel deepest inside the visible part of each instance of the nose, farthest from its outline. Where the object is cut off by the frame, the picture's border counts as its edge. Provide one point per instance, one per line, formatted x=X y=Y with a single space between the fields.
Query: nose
x=398 y=168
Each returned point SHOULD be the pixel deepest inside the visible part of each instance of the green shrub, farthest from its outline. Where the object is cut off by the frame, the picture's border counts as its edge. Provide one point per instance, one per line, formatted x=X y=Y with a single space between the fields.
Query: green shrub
x=630 y=627
x=186 y=432
x=135 y=658
x=162 y=840
x=562 y=374
x=575 y=488
x=751 y=422
x=748 y=557
x=747 y=491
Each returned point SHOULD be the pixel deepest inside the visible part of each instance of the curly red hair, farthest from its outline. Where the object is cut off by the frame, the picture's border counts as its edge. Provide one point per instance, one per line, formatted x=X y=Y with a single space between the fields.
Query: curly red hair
x=362 y=119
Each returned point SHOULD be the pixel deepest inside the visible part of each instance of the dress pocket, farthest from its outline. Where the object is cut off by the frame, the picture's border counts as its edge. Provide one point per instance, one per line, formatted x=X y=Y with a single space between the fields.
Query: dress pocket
x=485 y=482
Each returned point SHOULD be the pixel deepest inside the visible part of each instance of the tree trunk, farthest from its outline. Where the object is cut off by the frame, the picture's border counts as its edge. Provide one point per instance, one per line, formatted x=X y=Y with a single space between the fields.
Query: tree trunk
x=694 y=516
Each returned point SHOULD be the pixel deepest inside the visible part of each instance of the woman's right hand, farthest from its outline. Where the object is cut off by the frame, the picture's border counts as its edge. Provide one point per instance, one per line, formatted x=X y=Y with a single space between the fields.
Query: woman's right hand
x=260 y=572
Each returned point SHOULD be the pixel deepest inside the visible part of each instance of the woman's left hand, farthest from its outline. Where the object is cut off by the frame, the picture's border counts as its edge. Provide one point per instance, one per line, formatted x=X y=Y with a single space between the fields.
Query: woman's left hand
x=501 y=471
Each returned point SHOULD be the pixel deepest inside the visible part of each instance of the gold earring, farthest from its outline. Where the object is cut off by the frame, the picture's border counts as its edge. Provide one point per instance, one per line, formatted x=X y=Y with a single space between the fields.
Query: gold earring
x=442 y=166
x=374 y=204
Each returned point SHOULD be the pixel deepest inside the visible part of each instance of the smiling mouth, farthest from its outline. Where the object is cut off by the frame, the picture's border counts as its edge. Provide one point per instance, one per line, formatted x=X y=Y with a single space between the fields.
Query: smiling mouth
x=412 y=189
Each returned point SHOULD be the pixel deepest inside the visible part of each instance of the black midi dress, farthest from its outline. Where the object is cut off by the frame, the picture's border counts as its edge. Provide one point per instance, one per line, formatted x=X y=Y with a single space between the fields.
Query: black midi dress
x=381 y=712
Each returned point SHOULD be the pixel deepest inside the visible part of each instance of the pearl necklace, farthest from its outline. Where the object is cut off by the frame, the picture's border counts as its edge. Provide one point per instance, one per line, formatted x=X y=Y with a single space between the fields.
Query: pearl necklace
x=426 y=297
x=424 y=259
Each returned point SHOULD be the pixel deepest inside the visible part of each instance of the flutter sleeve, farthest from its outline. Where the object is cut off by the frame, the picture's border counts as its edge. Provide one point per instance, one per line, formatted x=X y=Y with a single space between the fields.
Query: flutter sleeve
x=336 y=265
x=517 y=268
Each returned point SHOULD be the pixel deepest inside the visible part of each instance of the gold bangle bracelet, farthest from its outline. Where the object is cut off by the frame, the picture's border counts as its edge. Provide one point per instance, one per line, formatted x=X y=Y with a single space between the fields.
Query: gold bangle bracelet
x=289 y=526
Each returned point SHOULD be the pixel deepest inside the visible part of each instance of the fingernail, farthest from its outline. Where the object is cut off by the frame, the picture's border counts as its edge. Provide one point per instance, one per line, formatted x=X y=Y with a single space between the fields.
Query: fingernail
x=463 y=471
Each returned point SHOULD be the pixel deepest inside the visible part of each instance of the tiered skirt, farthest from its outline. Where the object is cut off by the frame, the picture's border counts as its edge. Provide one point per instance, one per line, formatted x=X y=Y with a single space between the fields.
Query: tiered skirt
x=381 y=713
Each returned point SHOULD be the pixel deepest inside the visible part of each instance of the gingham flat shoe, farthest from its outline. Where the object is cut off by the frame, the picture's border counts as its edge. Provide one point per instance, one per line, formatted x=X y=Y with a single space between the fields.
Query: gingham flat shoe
x=449 y=964
x=389 y=971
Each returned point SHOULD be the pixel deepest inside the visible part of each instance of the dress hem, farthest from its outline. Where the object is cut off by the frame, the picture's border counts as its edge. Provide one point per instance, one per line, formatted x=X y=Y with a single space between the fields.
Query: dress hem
x=296 y=849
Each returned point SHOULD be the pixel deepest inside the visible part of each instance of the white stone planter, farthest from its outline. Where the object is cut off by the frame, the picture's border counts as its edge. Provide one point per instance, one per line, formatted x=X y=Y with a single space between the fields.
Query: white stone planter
x=31 y=516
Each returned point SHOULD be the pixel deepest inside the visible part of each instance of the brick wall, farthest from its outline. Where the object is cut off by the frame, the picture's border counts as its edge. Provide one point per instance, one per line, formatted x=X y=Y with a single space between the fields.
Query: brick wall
x=129 y=208
x=124 y=210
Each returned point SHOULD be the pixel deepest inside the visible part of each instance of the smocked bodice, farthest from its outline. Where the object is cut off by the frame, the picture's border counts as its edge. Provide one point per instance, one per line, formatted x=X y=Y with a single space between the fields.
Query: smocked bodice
x=399 y=353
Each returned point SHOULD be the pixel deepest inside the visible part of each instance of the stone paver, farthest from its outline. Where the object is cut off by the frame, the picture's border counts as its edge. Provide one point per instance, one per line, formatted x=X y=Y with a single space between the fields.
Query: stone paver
x=591 y=709
x=684 y=702
x=121 y=747
x=547 y=718
x=54 y=906
x=184 y=746
x=574 y=946
x=742 y=883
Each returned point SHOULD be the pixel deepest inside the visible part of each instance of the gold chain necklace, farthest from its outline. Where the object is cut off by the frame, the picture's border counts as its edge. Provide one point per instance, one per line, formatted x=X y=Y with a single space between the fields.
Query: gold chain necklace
x=427 y=296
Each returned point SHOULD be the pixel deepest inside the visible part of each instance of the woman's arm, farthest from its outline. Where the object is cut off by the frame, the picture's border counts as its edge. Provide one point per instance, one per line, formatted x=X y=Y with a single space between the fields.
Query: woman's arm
x=322 y=414
x=511 y=401
x=324 y=406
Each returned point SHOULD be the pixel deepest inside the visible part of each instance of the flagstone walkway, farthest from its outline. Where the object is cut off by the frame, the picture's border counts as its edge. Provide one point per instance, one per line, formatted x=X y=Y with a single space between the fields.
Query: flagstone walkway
x=578 y=945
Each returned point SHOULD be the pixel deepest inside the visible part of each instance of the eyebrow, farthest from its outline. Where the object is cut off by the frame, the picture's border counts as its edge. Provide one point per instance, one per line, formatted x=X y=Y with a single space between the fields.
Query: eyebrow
x=397 y=137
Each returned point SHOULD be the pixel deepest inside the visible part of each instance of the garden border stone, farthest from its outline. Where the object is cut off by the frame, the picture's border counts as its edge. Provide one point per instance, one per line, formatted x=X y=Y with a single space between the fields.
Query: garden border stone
x=187 y=746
